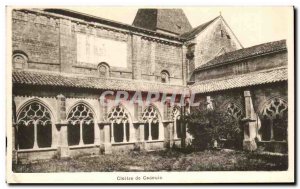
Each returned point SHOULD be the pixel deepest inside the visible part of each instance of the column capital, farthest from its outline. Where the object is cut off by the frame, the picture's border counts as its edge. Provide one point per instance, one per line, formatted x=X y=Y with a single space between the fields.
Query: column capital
x=62 y=123
x=60 y=96
x=102 y=98
x=247 y=94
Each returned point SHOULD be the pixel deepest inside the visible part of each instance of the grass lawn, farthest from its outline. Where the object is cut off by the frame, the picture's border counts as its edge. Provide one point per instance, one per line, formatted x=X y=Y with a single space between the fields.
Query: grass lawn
x=169 y=160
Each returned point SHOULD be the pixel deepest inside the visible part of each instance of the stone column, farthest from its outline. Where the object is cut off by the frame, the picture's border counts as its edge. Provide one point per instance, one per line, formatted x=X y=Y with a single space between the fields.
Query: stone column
x=63 y=148
x=140 y=127
x=134 y=127
x=14 y=139
x=35 y=145
x=107 y=138
x=249 y=124
x=142 y=142
x=81 y=143
x=132 y=133
x=168 y=124
x=112 y=137
x=124 y=132
x=99 y=130
x=171 y=134
x=183 y=111
x=149 y=129
x=13 y=143
x=272 y=130
x=142 y=133
x=175 y=128
x=97 y=134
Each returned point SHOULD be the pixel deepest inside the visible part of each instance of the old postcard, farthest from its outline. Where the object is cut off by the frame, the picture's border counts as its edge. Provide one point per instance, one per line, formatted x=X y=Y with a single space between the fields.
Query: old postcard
x=150 y=95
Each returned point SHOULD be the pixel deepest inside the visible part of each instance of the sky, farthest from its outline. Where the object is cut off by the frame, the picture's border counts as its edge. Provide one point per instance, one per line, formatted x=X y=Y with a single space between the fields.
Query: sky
x=251 y=25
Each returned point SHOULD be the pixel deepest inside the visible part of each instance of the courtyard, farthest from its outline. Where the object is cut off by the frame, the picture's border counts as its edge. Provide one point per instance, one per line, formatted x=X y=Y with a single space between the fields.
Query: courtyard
x=166 y=160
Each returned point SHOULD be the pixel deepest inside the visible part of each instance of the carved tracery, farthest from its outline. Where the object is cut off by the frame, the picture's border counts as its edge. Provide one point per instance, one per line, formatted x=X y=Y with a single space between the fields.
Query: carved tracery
x=233 y=110
x=80 y=113
x=81 y=128
x=120 y=131
x=34 y=127
x=118 y=115
x=150 y=115
x=275 y=109
x=34 y=113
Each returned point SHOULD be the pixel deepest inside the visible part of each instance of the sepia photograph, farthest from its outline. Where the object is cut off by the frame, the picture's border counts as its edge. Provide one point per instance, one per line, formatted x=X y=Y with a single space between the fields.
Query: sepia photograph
x=150 y=95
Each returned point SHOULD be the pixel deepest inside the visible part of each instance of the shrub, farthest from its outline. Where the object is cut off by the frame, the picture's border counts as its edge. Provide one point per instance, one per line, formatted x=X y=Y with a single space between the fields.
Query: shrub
x=206 y=126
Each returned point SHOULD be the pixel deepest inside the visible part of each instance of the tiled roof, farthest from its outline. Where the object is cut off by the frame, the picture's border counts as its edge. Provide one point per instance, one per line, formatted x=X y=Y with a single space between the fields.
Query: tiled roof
x=238 y=81
x=80 y=81
x=197 y=30
x=171 y=20
x=245 y=53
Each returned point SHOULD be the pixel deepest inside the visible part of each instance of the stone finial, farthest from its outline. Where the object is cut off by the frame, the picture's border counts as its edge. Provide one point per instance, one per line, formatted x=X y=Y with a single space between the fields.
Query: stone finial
x=209 y=105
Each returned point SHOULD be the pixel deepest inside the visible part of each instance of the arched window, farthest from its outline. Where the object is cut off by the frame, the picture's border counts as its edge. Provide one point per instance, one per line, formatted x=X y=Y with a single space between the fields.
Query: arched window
x=81 y=125
x=177 y=124
x=34 y=127
x=19 y=60
x=151 y=118
x=103 y=69
x=165 y=77
x=119 y=124
x=274 y=120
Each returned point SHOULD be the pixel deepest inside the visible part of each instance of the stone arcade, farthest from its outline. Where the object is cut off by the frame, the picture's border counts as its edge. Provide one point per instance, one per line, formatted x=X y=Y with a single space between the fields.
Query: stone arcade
x=64 y=60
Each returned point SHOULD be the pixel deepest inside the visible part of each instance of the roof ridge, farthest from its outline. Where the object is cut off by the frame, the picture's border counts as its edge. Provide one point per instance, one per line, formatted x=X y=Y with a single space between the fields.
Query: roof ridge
x=200 y=28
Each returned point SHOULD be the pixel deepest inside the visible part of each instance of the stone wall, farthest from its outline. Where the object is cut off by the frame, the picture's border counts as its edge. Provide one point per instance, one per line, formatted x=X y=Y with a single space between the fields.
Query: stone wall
x=244 y=66
x=50 y=43
x=215 y=40
x=38 y=37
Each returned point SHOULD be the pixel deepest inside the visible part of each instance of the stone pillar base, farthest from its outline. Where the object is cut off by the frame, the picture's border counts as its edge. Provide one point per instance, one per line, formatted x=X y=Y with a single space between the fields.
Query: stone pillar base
x=102 y=148
x=138 y=146
x=143 y=146
x=63 y=152
x=107 y=148
x=249 y=145
x=167 y=144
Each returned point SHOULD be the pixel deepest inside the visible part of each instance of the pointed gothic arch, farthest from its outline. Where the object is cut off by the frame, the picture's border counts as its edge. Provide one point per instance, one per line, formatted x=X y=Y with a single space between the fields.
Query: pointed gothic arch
x=121 y=124
x=274 y=121
x=34 y=125
x=153 y=123
x=81 y=127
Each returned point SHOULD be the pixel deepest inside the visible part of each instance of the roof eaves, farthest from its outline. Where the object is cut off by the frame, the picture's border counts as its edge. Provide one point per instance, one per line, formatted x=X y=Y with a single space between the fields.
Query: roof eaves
x=57 y=79
x=194 y=88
